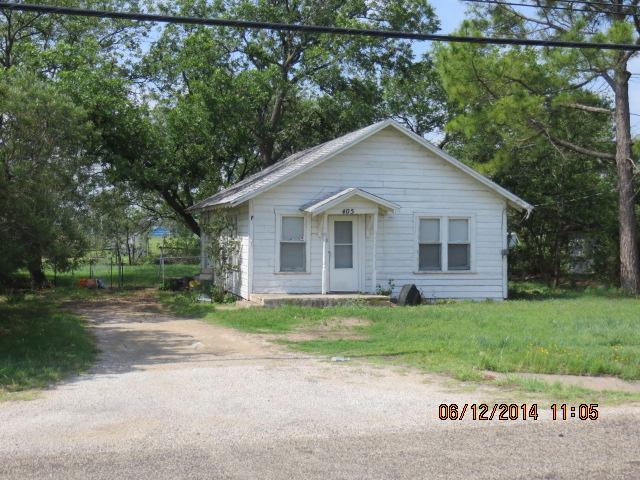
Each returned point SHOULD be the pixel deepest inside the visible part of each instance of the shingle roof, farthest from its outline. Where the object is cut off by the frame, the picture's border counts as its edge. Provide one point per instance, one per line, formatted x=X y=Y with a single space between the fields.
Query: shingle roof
x=272 y=174
x=299 y=162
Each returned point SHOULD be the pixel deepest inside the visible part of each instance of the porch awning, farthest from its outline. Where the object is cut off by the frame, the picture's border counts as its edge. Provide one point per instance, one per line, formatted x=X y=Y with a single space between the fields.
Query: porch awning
x=333 y=199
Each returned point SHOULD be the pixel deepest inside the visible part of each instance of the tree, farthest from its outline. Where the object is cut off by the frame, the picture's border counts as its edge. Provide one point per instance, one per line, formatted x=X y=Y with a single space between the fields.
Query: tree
x=41 y=175
x=230 y=102
x=118 y=222
x=509 y=103
x=46 y=134
x=605 y=21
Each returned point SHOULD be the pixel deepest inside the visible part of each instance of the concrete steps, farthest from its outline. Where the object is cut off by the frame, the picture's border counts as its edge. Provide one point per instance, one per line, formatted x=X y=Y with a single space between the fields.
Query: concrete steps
x=272 y=300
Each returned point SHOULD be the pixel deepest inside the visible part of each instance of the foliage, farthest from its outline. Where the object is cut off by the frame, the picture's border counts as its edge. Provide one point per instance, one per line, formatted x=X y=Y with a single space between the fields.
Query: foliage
x=41 y=176
x=509 y=100
x=181 y=243
x=232 y=101
x=608 y=22
x=119 y=224
x=46 y=134
x=223 y=249
x=388 y=290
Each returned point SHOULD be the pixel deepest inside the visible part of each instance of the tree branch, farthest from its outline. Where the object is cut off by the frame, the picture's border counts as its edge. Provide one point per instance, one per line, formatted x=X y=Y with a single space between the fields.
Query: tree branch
x=587 y=108
x=572 y=146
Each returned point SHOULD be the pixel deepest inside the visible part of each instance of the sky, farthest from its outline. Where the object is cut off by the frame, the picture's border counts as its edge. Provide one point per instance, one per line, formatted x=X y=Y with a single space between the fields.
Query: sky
x=451 y=14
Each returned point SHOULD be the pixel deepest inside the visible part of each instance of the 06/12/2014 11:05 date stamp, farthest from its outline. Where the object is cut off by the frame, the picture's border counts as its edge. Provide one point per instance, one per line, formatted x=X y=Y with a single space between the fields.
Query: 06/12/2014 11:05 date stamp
x=513 y=412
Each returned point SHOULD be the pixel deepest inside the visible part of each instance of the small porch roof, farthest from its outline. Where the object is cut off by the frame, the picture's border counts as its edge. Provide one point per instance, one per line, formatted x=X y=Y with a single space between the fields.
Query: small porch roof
x=331 y=200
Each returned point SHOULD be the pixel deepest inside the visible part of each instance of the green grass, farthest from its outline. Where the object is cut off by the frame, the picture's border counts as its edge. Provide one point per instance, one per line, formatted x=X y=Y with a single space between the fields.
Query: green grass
x=588 y=333
x=39 y=345
x=135 y=276
x=559 y=390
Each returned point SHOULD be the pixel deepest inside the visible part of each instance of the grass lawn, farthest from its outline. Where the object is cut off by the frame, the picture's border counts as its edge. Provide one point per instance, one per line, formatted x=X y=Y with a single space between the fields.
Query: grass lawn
x=570 y=332
x=39 y=345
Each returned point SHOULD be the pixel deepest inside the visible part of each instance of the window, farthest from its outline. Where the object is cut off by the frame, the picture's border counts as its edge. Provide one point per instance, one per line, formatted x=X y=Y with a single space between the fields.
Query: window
x=444 y=243
x=343 y=244
x=293 y=245
x=430 y=246
x=459 y=247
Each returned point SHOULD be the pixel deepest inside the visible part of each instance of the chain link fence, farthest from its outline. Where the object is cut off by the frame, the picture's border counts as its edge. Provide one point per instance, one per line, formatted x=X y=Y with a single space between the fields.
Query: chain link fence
x=109 y=272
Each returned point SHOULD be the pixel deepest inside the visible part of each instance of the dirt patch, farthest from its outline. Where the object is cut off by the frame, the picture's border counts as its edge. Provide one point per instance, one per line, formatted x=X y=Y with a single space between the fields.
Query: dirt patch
x=339 y=328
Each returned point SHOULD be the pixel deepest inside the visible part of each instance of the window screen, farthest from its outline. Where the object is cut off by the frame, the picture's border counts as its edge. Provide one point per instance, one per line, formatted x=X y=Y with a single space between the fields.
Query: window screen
x=293 y=257
x=292 y=229
x=430 y=247
x=293 y=246
x=343 y=244
x=459 y=248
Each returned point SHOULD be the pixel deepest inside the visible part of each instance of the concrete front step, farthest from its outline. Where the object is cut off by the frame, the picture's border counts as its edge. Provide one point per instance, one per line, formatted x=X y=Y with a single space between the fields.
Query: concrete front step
x=317 y=300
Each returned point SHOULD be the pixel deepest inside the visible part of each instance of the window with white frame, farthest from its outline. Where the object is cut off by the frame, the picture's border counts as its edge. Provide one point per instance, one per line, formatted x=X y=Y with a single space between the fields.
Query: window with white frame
x=293 y=244
x=444 y=244
x=459 y=245
x=430 y=245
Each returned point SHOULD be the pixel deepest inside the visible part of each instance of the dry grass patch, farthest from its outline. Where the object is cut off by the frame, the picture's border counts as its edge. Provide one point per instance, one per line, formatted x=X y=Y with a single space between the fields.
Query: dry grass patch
x=336 y=328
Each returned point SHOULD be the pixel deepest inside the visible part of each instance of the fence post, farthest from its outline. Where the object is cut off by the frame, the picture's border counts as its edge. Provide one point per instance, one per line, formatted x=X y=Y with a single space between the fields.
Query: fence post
x=162 y=267
x=111 y=272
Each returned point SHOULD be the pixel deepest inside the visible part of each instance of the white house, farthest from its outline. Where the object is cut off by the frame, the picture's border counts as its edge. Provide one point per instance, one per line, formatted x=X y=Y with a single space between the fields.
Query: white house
x=375 y=207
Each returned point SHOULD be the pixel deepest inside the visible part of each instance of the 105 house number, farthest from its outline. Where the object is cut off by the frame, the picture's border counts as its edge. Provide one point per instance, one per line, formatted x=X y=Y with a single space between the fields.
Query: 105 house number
x=349 y=211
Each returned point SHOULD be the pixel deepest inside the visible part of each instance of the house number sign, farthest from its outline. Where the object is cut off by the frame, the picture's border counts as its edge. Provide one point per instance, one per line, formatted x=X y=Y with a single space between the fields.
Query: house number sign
x=349 y=211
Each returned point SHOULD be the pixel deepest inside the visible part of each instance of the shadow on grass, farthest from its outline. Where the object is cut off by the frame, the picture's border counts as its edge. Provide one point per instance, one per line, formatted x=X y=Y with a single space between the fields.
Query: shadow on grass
x=40 y=344
x=533 y=291
x=185 y=305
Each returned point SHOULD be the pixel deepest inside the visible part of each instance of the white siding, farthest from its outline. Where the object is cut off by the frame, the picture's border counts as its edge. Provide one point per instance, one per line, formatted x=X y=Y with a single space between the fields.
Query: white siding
x=237 y=282
x=392 y=166
x=242 y=286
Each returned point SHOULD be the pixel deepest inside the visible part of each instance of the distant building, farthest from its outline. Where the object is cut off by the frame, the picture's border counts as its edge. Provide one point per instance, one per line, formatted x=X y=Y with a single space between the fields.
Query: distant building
x=160 y=232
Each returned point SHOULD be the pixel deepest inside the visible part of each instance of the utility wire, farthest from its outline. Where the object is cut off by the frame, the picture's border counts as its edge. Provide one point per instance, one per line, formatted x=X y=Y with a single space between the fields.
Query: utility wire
x=598 y=4
x=317 y=29
x=602 y=4
x=542 y=7
x=571 y=200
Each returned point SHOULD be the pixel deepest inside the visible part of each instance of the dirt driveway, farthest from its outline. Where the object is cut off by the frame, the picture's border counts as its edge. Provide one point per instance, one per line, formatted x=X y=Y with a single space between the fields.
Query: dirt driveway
x=178 y=398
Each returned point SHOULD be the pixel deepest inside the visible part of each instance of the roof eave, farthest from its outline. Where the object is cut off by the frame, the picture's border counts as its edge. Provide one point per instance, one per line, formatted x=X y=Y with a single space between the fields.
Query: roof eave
x=328 y=204
x=204 y=208
x=520 y=205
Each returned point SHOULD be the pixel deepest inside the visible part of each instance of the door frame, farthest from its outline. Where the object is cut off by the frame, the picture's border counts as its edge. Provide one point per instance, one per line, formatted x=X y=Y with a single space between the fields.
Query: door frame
x=359 y=244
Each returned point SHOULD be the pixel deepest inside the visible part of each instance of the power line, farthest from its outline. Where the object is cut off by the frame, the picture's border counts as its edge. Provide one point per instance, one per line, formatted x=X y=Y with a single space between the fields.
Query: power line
x=317 y=29
x=591 y=2
x=598 y=4
x=571 y=200
x=562 y=8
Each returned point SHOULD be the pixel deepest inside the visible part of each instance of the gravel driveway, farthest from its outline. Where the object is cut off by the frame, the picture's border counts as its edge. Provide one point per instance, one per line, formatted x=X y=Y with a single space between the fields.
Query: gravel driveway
x=178 y=398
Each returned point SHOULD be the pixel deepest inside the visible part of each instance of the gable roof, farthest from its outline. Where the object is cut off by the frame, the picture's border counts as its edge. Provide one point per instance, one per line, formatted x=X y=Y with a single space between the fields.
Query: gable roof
x=331 y=200
x=299 y=162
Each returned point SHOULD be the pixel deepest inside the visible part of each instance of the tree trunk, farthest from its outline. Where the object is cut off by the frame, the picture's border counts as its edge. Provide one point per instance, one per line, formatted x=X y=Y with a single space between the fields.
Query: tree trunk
x=186 y=217
x=629 y=260
x=36 y=272
x=129 y=250
x=266 y=147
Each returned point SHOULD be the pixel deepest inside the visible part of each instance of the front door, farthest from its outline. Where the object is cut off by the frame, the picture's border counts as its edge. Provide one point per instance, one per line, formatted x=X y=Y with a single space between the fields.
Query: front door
x=344 y=272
